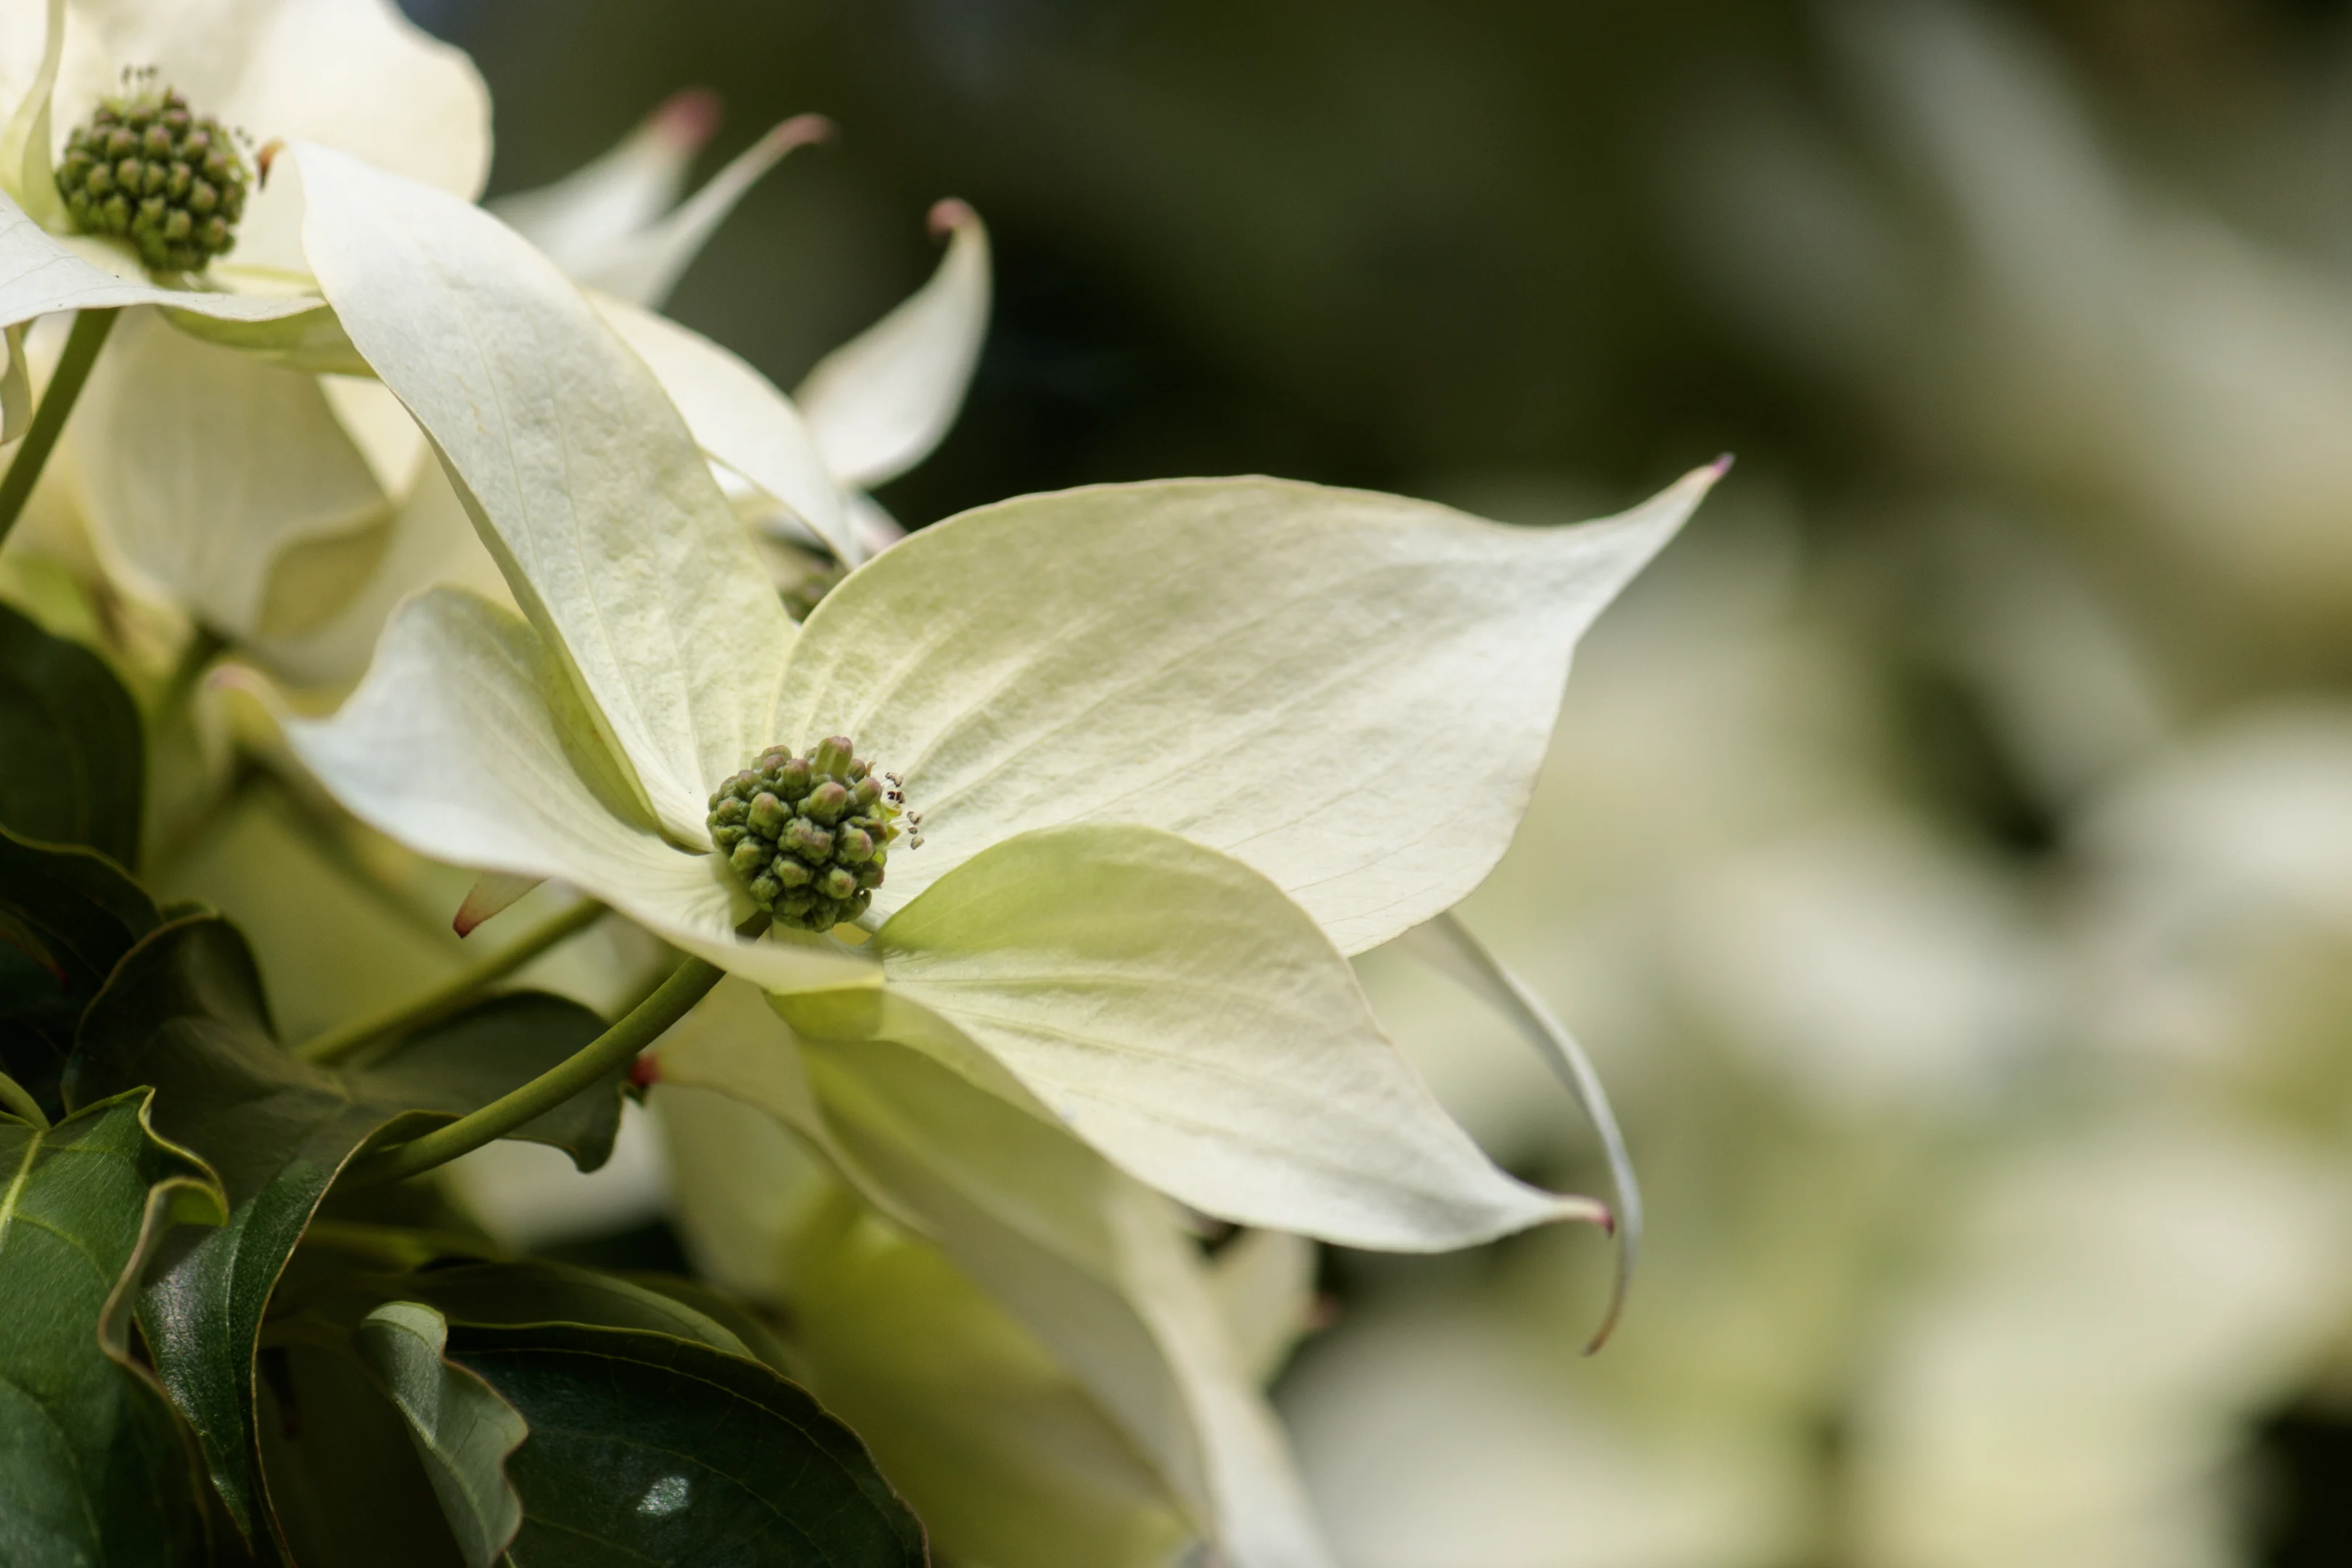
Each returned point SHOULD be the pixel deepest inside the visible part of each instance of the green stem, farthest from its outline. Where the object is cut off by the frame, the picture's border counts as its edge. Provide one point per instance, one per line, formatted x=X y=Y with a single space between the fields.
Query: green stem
x=615 y=1047
x=461 y=989
x=14 y=1096
x=89 y=330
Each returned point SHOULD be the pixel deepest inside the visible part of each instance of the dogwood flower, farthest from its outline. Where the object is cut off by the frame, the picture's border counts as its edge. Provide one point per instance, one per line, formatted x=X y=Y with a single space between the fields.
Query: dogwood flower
x=286 y=511
x=1177 y=747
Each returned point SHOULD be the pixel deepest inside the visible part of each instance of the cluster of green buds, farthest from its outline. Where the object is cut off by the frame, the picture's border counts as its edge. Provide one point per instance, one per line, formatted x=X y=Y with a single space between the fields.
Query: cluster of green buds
x=808 y=836
x=148 y=170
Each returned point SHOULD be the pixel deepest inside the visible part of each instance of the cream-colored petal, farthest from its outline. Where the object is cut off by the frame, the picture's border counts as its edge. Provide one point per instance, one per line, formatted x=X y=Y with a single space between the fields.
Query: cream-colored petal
x=583 y=479
x=466 y=743
x=1174 y=1010
x=576 y=219
x=40 y=274
x=1348 y=691
x=644 y=266
x=738 y=417
x=882 y=401
x=196 y=466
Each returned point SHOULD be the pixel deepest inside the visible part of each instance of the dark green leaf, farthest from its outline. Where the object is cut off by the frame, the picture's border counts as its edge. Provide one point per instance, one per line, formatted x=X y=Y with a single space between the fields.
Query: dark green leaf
x=74 y=769
x=94 y=1468
x=511 y=1294
x=345 y=1485
x=184 y=1013
x=66 y=915
x=645 y=1448
x=462 y=1432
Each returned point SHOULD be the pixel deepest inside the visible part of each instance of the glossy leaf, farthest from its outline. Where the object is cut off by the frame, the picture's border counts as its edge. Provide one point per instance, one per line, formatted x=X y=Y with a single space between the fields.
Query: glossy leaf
x=462 y=1432
x=94 y=1473
x=75 y=763
x=1348 y=691
x=184 y=1012
x=346 y=1487
x=648 y=1449
x=539 y=1291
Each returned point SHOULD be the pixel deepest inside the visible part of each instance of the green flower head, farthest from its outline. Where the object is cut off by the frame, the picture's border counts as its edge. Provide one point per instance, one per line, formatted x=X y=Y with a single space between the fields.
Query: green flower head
x=148 y=169
x=808 y=836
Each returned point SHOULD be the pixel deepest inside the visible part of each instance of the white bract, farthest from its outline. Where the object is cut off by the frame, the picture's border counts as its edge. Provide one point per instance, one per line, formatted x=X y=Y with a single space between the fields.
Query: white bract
x=1179 y=746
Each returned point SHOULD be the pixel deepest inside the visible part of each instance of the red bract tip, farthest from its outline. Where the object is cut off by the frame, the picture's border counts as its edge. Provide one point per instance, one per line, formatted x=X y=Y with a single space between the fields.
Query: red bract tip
x=691 y=117
x=644 y=1072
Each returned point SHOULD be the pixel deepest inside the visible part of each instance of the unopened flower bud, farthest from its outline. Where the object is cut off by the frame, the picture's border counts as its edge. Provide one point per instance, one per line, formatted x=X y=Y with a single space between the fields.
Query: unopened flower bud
x=833 y=756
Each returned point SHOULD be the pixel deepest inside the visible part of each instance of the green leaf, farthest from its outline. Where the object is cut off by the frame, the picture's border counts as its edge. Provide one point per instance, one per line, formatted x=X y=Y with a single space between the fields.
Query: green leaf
x=1172 y=1008
x=75 y=765
x=1348 y=691
x=94 y=1468
x=644 y=1448
x=184 y=1012
x=346 y=1487
x=538 y=1291
x=67 y=916
x=581 y=476
x=463 y=1432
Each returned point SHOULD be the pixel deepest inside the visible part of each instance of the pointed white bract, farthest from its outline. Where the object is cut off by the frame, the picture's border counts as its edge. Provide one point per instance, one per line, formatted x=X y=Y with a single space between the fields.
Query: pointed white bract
x=1174 y=1010
x=1348 y=691
x=577 y=468
x=882 y=401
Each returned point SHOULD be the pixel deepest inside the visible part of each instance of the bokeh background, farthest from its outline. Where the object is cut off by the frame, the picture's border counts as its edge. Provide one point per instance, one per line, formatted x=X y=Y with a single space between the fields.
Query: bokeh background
x=1947 y=852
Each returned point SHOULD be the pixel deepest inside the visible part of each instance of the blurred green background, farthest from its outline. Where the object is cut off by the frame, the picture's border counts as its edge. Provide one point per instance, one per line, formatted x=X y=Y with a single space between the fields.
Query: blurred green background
x=1949 y=852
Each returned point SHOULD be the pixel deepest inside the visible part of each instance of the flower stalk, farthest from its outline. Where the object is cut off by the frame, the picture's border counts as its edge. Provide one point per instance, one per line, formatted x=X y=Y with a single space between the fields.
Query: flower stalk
x=617 y=1046
x=89 y=335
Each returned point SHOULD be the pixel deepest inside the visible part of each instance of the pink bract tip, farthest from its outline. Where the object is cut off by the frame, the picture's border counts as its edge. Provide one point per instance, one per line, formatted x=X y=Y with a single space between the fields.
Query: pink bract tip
x=1721 y=466
x=691 y=117
x=949 y=216
x=800 y=131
